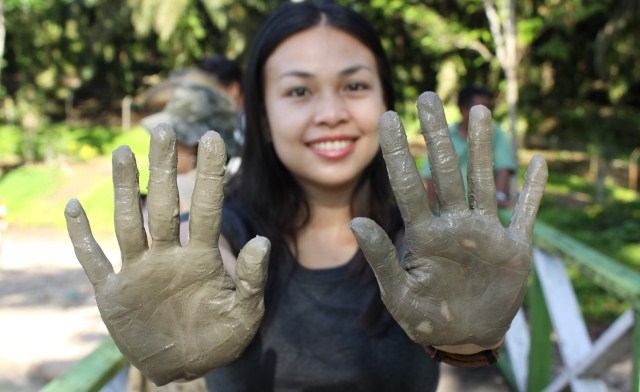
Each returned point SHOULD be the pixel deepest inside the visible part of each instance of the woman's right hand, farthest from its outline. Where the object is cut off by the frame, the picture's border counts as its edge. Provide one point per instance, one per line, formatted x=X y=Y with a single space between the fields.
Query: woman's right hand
x=172 y=310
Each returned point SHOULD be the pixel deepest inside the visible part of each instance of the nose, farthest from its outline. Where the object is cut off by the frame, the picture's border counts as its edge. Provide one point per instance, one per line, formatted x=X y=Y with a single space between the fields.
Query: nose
x=330 y=110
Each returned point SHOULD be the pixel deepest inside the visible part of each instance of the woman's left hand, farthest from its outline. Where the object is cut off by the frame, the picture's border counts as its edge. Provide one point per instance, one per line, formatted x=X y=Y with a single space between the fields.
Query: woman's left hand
x=463 y=275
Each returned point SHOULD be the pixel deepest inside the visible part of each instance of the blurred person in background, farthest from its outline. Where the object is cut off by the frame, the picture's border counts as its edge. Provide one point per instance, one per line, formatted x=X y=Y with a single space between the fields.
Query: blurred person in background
x=229 y=75
x=504 y=162
x=197 y=104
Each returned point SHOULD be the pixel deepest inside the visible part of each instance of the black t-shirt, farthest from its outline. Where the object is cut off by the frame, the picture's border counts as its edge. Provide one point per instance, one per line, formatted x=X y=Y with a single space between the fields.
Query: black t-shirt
x=316 y=343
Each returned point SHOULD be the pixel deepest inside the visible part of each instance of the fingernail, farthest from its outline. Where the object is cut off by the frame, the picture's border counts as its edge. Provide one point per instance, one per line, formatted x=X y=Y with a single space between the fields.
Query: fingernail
x=73 y=208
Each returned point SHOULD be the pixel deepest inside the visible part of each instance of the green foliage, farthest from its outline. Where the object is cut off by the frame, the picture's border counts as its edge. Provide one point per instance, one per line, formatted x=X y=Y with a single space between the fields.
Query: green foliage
x=612 y=228
x=28 y=192
x=35 y=195
x=577 y=69
x=61 y=141
x=10 y=139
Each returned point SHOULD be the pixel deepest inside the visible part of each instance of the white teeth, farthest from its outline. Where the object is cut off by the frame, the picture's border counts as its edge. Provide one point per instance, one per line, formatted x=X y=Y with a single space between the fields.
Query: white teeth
x=332 y=145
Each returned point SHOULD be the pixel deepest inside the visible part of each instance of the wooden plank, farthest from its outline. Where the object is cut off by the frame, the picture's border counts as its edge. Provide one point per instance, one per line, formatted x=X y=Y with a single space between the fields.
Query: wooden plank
x=91 y=373
x=615 y=342
x=564 y=310
x=609 y=274
x=620 y=281
x=517 y=342
x=541 y=350
x=573 y=338
x=610 y=346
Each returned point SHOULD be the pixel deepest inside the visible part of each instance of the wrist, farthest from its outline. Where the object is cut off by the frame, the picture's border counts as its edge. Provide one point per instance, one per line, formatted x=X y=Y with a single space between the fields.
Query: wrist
x=465 y=355
x=468 y=348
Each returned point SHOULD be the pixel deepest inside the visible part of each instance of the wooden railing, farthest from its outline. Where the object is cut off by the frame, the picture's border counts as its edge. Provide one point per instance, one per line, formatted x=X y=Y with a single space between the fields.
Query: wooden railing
x=553 y=314
x=91 y=373
x=555 y=318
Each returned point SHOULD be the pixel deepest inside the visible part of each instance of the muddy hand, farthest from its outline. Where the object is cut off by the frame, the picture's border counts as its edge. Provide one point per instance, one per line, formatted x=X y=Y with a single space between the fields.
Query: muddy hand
x=463 y=275
x=172 y=310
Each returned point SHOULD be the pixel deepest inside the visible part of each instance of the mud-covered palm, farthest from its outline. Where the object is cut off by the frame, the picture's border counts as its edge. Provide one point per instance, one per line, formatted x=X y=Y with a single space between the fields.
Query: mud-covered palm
x=463 y=275
x=172 y=310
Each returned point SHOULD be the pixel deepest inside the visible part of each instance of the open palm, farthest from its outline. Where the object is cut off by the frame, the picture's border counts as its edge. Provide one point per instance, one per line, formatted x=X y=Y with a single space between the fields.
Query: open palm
x=172 y=310
x=463 y=275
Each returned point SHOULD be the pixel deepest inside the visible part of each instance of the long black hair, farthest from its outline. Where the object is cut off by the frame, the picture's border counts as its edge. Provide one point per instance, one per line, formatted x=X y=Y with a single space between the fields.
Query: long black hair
x=271 y=201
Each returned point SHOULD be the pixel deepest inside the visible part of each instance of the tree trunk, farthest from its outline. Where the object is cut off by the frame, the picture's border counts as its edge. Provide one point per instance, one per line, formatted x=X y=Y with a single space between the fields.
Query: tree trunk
x=3 y=33
x=510 y=66
x=503 y=30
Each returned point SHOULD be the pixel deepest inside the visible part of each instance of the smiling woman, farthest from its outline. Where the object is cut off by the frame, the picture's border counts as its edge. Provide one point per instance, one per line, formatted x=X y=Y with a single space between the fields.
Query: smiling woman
x=333 y=108
x=305 y=277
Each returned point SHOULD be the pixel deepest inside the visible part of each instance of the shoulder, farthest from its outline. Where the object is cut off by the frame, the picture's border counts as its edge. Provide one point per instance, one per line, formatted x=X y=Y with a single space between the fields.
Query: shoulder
x=498 y=131
x=500 y=139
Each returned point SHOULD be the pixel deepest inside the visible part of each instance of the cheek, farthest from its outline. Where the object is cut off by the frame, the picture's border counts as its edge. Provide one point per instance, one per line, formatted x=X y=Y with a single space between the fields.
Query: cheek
x=368 y=118
x=372 y=144
x=281 y=129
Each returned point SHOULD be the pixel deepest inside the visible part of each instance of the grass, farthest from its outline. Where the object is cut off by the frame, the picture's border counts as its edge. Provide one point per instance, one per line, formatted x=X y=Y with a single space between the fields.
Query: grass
x=25 y=192
x=36 y=195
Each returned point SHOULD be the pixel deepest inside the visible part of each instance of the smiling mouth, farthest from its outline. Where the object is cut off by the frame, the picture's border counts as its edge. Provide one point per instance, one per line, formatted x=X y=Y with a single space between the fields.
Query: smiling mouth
x=331 y=145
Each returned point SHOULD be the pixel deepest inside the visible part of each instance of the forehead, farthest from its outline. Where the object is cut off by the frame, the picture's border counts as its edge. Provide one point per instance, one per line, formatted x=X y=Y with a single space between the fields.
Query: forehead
x=318 y=49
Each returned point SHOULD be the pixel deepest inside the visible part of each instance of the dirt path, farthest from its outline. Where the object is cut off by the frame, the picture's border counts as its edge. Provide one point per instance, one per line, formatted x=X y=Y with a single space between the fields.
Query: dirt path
x=48 y=315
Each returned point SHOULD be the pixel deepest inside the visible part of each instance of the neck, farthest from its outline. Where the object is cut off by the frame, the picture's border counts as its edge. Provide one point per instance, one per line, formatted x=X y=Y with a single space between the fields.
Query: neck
x=326 y=241
x=326 y=204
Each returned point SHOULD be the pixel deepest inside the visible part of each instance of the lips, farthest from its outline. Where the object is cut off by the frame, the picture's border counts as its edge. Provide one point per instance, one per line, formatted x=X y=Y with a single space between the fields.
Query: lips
x=331 y=145
x=335 y=148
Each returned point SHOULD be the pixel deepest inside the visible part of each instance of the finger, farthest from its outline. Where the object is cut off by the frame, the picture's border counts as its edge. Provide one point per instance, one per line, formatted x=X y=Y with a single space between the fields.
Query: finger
x=208 y=196
x=528 y=202
x=251 y=272
x=406 y=182
x=162 y=199
x=482 y=186
x=130 y=232
x=88 y=252
x=381 y=255
x=444 y=162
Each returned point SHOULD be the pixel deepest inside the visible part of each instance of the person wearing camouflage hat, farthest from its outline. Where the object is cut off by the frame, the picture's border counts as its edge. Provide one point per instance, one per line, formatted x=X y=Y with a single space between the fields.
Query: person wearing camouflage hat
x=193 y=109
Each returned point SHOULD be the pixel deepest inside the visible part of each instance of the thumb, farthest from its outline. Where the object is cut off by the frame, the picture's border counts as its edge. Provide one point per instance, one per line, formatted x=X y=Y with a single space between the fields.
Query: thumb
x=251 y=271
x=381 y=255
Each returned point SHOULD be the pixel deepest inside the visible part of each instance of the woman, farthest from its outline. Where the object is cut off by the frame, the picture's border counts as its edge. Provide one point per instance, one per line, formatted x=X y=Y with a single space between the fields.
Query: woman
x=312 y=153
x=317 y=85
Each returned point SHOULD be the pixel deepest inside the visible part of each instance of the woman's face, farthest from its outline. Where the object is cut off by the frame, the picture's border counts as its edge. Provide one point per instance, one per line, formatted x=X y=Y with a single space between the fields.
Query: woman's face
x=323 y=101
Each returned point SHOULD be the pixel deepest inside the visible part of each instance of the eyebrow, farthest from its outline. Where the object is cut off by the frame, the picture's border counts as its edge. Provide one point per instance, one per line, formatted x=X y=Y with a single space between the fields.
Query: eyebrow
x=347 y=71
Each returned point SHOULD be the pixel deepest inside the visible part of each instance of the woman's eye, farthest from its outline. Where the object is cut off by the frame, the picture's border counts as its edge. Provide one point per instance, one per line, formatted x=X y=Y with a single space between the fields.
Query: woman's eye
x=298 y=92
x=357 y=86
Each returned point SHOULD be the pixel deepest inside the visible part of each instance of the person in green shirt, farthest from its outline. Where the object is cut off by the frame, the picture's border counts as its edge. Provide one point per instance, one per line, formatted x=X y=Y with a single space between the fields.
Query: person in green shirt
x=503 y=157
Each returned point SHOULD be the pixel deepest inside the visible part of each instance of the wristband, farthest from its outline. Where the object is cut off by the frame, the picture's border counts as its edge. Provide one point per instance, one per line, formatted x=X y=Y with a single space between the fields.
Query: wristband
x=482 y=358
